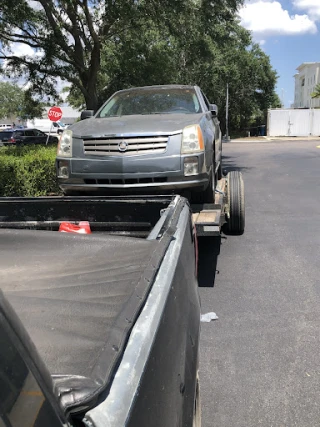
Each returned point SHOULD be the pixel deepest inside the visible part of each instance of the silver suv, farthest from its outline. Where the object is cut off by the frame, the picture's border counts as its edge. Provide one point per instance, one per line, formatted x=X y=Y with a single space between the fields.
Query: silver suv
x=144 y=140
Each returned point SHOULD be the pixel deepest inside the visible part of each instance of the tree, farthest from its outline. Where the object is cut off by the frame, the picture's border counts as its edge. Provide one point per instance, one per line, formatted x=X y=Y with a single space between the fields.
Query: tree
x=103 y=46
x=66 y=38
x=15 y=102
x=316 y=93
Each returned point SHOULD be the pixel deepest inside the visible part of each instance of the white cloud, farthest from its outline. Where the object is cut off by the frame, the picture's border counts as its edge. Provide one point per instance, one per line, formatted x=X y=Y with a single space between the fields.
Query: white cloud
x=262 y=42
x=20 y=49
x=312 y=7
x=35 y=4
x=265 y=18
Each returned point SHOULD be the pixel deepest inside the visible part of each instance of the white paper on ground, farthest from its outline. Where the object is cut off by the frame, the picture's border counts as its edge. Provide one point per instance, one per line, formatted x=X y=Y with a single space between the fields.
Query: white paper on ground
x=208 y=317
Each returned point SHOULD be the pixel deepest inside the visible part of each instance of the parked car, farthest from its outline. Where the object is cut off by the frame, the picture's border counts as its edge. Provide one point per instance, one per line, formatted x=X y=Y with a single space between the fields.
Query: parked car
x=146 y=139
x=22 y=137
x=5 y=126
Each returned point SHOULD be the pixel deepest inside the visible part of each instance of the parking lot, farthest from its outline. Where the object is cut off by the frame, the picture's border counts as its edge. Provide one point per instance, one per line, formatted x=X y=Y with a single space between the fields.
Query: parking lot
x=260 y=361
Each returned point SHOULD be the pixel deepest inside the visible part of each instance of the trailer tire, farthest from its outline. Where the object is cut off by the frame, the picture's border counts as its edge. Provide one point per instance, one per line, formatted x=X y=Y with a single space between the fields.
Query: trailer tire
x=236 y=207
x=197 y=407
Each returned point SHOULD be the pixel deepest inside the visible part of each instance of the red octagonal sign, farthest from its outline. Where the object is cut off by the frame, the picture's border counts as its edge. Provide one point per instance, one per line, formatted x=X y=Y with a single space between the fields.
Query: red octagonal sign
x=55 y=114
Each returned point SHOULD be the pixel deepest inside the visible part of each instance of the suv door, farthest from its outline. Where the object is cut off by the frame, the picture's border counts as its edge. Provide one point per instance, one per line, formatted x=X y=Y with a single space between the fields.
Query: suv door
x=41 y=136
x=217 y=140
x=18 y=136
x=30 y=137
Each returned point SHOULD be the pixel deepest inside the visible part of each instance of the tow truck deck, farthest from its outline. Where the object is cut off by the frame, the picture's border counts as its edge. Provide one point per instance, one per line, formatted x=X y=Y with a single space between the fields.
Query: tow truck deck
x=129 y=215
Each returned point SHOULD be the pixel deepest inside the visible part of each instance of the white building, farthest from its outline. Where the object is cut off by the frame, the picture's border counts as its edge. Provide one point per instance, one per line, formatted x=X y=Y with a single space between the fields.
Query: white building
x=306 y=79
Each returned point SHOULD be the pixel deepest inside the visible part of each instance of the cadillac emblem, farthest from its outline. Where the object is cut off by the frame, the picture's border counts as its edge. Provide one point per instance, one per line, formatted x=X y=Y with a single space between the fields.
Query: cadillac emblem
x=123 y=146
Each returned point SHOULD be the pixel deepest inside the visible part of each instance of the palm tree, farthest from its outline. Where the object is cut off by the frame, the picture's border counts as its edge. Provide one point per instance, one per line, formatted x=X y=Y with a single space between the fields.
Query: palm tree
x=316 y=93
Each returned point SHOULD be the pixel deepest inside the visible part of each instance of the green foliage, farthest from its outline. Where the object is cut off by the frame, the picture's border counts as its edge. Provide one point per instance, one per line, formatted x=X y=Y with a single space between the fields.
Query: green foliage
x=16 y=102
x=316 y=93
x=28 y=171
x=275 y=101
x=103 y=46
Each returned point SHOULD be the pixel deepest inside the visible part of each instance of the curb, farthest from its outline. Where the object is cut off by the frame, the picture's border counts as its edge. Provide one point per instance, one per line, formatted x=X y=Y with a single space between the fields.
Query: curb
x=277 y=139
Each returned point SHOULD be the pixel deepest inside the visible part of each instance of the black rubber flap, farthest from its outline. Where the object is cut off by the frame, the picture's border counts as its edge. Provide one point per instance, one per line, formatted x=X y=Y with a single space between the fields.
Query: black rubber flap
x=78 y=297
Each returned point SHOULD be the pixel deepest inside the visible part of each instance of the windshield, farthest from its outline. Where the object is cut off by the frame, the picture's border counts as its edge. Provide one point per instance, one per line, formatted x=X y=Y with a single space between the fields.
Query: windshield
x=152 y=101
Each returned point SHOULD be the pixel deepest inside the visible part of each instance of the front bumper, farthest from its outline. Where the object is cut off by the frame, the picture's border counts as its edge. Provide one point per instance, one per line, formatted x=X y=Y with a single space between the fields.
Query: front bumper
x=132 y=173
x=145 y=187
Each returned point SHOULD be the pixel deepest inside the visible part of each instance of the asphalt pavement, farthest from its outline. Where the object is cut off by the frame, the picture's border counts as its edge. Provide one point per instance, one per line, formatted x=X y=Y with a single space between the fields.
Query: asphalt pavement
x=260 y=361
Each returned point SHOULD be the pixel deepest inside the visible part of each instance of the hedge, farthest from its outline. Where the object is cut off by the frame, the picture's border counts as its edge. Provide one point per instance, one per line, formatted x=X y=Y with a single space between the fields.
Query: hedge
x=28 y=171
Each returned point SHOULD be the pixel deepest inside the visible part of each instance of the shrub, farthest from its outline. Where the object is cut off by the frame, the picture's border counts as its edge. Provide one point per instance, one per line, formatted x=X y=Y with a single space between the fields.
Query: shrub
x=28 y=171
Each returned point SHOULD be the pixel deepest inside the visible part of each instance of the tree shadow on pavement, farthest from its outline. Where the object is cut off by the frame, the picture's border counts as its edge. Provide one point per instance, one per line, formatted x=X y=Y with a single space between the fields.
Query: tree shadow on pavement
x=230 y=164
x=209 y=250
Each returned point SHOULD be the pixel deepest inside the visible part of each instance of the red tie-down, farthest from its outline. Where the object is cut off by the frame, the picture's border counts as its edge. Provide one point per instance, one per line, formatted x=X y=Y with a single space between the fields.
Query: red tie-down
x=82 y=228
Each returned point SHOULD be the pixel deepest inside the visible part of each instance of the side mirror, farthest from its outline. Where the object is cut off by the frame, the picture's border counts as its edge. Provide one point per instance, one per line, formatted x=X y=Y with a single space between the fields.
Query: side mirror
x=86 y=114
x=214 y=110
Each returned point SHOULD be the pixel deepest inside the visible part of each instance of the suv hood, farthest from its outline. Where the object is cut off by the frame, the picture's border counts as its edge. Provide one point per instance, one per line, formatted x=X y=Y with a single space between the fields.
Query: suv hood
x=164 y=124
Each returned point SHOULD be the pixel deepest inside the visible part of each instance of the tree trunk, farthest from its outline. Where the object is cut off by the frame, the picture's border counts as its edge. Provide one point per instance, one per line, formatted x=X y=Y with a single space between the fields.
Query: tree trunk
x=91 y=98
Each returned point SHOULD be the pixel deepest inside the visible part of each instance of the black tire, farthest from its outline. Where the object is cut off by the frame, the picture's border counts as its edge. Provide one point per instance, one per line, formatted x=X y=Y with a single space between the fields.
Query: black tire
x=206 y=196
x=236 y=208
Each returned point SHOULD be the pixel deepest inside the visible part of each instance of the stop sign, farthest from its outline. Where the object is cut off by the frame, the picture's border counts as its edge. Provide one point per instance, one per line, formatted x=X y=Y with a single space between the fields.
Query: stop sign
x=55 y=114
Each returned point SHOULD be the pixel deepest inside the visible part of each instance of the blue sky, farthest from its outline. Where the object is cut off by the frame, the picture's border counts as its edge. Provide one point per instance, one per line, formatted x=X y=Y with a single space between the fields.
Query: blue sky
x=289 y=32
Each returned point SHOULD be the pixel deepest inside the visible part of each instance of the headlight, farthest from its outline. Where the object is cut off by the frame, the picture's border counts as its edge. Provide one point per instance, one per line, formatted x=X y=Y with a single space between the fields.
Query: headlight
x=192 y=140
x=65 y=144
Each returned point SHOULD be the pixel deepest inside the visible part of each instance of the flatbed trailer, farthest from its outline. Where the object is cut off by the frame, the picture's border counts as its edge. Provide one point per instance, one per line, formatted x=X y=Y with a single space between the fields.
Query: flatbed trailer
x=112 y=214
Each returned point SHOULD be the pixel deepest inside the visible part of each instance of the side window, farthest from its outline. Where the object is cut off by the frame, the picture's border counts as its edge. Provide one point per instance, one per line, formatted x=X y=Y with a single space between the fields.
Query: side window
x=29 y=133
x=39 y=133
x=55 y=125
x=19 y=133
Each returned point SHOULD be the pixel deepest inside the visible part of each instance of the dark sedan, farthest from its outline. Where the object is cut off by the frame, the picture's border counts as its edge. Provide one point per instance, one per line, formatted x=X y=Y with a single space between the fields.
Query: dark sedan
x=21 y=137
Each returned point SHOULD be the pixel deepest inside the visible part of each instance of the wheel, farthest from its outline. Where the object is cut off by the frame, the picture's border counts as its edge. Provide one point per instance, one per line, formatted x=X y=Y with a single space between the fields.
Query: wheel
x=197 y=406
x=236 y=209
x=206 y=196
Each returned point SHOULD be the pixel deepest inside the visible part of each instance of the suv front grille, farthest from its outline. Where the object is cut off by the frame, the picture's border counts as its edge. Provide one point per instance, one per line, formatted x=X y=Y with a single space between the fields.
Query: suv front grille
x=126 y=181
x=125 y=146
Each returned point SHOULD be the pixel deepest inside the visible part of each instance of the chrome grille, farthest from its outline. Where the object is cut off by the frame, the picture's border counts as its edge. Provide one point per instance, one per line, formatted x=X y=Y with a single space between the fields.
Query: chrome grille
x=134 y=146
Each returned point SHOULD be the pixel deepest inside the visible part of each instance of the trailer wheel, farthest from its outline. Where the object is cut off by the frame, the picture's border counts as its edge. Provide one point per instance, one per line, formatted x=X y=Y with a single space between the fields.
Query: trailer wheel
x=236 y=209
x=197 y=407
